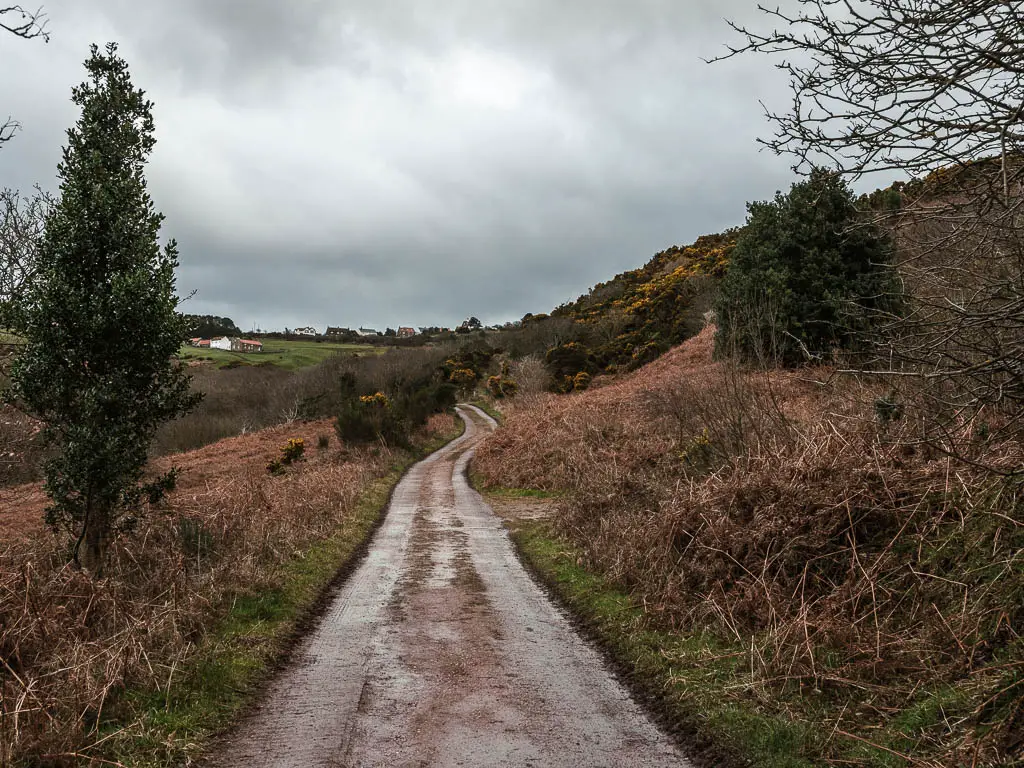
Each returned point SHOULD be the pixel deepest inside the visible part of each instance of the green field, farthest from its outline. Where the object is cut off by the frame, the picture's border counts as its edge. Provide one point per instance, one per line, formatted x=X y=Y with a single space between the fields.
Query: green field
x=290 y=355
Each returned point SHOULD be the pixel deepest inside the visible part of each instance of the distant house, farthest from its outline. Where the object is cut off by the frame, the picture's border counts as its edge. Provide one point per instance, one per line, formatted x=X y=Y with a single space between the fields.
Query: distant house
x=308 y=331
x=405 y=332
x=246 y=345
x=200 y=343
x=367 y=332
x=333 y=332
x=234 y=344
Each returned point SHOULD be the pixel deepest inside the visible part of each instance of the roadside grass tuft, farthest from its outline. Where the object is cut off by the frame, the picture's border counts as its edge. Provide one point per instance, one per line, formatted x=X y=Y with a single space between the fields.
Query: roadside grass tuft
x=487 y=406
x=477 y=481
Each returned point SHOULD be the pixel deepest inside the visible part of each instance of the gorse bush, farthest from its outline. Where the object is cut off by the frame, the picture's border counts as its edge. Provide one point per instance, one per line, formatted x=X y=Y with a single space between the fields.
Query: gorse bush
x=581 y=381
x=808 y=276
x=369 y=418
x=502 y=386
x=565 y=361
x=391 y=416
x=291 y=452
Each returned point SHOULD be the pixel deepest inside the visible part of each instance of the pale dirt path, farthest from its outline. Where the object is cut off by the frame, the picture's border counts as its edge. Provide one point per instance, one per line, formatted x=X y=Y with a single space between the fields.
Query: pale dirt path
x=441 y=651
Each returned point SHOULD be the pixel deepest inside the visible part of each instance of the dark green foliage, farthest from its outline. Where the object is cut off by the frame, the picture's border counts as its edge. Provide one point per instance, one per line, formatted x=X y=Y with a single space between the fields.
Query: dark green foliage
x=99 y=318
x=567 y=360
x=209 y=326
x=391 y=418
x=807 y=277
x=503 y=385
x=581 y=381
x=888 y=409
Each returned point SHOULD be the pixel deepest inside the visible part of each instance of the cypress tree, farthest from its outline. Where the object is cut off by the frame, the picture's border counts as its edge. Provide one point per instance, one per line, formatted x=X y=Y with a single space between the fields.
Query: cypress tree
x=99 y=367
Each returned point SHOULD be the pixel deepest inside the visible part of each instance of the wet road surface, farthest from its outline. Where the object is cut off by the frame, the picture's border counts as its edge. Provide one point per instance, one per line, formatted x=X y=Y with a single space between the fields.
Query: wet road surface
x=441 y=651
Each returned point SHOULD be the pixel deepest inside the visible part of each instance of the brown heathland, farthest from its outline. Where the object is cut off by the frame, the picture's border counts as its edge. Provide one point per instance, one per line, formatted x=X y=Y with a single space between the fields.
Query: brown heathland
x=779 y=512
x=69 y=644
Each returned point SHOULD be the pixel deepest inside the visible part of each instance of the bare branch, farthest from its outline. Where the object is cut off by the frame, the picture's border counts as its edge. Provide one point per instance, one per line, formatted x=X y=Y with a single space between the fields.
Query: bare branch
x=24 y=24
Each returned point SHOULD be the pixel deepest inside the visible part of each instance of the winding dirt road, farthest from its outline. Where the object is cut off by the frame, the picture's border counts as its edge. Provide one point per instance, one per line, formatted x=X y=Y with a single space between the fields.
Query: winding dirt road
x=441 y=651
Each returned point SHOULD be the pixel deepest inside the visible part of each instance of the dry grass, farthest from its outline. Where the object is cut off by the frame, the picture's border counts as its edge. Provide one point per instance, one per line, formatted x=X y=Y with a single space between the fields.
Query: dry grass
x=778 y=513
x=69 y=645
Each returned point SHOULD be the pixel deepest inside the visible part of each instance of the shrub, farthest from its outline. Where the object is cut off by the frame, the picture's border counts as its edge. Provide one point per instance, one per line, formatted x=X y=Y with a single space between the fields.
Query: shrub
x=581 y=381
x=463 y=377
x=292 y=450
x=501 y=386
x=290 y=453
x=565 y=361
x=806 y=277
x=369 y=418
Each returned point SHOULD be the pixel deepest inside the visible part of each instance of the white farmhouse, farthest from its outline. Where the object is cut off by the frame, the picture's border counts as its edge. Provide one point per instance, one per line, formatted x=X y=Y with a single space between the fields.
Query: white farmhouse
x=222 y=342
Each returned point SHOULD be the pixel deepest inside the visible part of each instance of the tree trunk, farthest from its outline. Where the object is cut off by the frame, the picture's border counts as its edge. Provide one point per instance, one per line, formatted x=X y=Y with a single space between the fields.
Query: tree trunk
x=97 y=534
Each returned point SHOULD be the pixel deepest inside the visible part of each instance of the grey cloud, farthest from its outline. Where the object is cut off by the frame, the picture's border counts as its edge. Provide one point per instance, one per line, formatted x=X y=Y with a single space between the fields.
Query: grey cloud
x=413 y=163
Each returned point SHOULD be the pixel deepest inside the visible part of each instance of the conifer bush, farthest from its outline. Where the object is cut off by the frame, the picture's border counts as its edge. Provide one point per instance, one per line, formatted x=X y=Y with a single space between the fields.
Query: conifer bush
x=808 y=276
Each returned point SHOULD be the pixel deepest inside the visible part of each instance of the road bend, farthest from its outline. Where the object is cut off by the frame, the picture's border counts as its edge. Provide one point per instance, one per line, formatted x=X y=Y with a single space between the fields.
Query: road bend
x=440 y=650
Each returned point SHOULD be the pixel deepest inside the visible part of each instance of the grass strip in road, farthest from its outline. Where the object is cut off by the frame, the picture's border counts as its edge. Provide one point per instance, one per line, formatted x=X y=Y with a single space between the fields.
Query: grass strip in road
x=168 y=727
x=683 y=679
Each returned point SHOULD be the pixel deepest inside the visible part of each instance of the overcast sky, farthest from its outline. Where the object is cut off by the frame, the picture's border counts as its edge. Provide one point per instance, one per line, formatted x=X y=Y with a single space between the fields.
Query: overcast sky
x=399 y=162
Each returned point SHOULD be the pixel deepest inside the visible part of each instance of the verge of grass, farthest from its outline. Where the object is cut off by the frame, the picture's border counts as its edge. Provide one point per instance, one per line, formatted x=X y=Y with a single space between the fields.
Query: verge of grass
x=684 y=679
x=700 y=687
x=512 y=493
x=487 y=406
x=171 y=725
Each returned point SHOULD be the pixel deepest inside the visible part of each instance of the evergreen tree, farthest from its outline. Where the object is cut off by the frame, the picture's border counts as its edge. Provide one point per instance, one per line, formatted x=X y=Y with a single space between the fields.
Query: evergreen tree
x=807 y=276
x=99 y=366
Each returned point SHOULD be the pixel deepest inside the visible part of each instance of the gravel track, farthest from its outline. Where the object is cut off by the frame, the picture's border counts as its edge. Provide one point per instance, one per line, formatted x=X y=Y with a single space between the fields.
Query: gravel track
x=440 y=650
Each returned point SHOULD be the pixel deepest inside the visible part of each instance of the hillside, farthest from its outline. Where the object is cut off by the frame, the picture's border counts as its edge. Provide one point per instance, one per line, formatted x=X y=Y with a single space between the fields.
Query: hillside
x=639 y=314
x=819 y=588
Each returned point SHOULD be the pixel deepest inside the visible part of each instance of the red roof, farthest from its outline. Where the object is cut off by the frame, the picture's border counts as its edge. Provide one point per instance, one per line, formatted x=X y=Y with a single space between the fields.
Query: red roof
x=255 y=343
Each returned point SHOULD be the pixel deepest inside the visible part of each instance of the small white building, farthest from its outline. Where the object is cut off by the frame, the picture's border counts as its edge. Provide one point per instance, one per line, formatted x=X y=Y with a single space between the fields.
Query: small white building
x=367 y=332
x=307 y=331
x=230 y=344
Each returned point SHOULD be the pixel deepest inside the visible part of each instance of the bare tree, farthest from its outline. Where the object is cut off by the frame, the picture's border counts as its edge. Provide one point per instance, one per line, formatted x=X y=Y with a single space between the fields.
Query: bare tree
x=935 y=89
x=898 y=84
x=27 y=25
x=22 y=222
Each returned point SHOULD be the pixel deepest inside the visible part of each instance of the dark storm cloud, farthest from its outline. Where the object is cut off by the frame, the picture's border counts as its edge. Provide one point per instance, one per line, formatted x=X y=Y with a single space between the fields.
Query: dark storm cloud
x=408 y=163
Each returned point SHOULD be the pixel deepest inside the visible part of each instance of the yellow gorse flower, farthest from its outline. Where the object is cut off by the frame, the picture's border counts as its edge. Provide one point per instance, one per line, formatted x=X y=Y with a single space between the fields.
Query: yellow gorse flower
x=378 y=399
